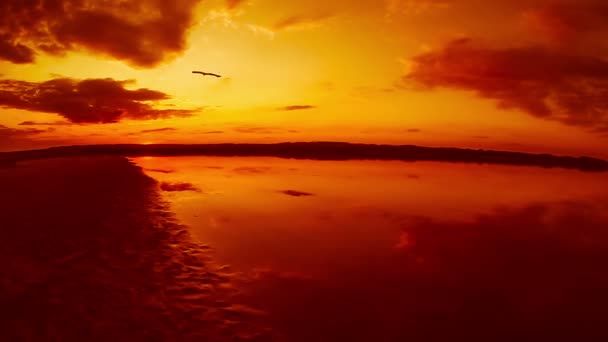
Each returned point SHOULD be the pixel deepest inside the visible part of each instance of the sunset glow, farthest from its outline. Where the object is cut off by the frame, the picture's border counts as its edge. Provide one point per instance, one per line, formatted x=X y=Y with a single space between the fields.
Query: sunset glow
x=304 y=170
x=527 y=76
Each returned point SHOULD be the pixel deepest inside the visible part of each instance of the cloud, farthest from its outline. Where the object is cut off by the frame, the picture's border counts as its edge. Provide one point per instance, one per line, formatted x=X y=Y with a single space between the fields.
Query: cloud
x=157 y=130
x=230 y=19
x=143 y=33
x=14 y=52
x=301 y=21
x=85 y=101
x=14 y=132
x=414 y=130
x=14 y=137
x=570 y=23
x=296 y=107
x=178 y=187
x=295 y=193
x=213 y=132
x=34 y=123
x=545 y=82
x=255 y=130
x=409 y=7
x=263 y=130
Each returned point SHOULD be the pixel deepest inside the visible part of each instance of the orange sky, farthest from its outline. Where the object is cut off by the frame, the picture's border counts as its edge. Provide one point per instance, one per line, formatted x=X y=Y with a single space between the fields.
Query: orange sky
x=464 y=73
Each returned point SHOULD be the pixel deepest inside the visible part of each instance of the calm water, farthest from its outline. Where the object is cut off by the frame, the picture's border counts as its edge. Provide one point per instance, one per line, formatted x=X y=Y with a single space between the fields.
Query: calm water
x=394 y=251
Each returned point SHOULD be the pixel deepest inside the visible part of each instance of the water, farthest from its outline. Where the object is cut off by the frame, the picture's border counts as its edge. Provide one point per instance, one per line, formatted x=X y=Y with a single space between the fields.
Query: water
x=394 y=251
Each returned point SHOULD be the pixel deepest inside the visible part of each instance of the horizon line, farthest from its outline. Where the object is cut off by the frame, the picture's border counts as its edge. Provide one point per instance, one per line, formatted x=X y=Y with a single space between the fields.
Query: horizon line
x=307 y=142
x=319 y=150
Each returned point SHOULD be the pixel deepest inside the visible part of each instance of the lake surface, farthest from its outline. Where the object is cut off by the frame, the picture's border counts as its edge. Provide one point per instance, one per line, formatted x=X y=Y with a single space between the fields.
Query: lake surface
x=396 y=251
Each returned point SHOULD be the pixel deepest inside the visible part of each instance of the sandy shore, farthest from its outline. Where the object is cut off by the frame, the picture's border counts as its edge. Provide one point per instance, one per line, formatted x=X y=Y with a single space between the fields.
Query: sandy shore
x=89 y=252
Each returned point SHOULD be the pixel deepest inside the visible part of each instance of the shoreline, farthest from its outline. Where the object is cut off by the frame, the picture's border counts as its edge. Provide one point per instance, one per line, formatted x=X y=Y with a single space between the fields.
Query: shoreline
x=90 y=252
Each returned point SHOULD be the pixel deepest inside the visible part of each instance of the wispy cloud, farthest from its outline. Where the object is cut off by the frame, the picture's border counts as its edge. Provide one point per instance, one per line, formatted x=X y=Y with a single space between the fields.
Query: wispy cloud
x=159 y=130
x=15 y=137
x=263 y=130
x=414 y=7
x=56 y=123
x=230 y=20
x=301 y=21
x=296 y=107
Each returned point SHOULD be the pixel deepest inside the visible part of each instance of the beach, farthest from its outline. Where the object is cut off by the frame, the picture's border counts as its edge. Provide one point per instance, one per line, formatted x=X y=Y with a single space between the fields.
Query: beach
x=89 y=252
x=106 y=248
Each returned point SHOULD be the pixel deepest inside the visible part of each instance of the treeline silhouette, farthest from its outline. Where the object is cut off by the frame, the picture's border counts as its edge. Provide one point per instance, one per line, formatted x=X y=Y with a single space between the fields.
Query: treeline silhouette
x=319 y=151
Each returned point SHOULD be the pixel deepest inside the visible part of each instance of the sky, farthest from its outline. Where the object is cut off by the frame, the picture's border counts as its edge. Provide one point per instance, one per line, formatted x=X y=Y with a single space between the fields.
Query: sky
x=526 y=76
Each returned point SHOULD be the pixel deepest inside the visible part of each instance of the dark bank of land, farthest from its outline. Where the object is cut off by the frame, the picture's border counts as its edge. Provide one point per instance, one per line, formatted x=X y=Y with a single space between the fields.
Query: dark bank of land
x=321 y=151
x=89 y=252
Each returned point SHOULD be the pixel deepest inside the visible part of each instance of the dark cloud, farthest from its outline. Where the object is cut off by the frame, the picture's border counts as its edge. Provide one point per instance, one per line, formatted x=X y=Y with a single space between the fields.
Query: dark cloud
x=16 y=138
x=178 y=187
x=296 y=107
x=295 y=193
x=213 y=132
x=158 y=130
x=573 y=23
x=14 y=132
x=85 y=101
x=34 y=123
x=14 y=52
x=143 y=33
x=414 y=130
x=545 y=82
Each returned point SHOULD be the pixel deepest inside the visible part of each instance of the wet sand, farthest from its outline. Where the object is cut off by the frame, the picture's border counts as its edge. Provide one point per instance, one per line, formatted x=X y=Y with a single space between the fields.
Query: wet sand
x=89 y=252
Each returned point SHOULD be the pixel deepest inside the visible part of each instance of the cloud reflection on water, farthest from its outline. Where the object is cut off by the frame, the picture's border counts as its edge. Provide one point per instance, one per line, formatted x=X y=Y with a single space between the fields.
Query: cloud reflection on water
x=476 y=253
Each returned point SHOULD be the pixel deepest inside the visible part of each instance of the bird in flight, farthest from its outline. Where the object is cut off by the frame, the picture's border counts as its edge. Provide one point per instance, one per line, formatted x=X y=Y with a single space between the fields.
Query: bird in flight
x=206 y=73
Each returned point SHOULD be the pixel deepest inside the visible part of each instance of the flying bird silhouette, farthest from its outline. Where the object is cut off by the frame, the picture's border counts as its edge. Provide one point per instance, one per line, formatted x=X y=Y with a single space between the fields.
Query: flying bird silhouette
x=206 y=73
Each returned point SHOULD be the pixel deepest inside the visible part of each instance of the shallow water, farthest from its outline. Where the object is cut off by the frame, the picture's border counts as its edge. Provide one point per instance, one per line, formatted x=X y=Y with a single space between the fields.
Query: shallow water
x=394 y=251
x=89 y=252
